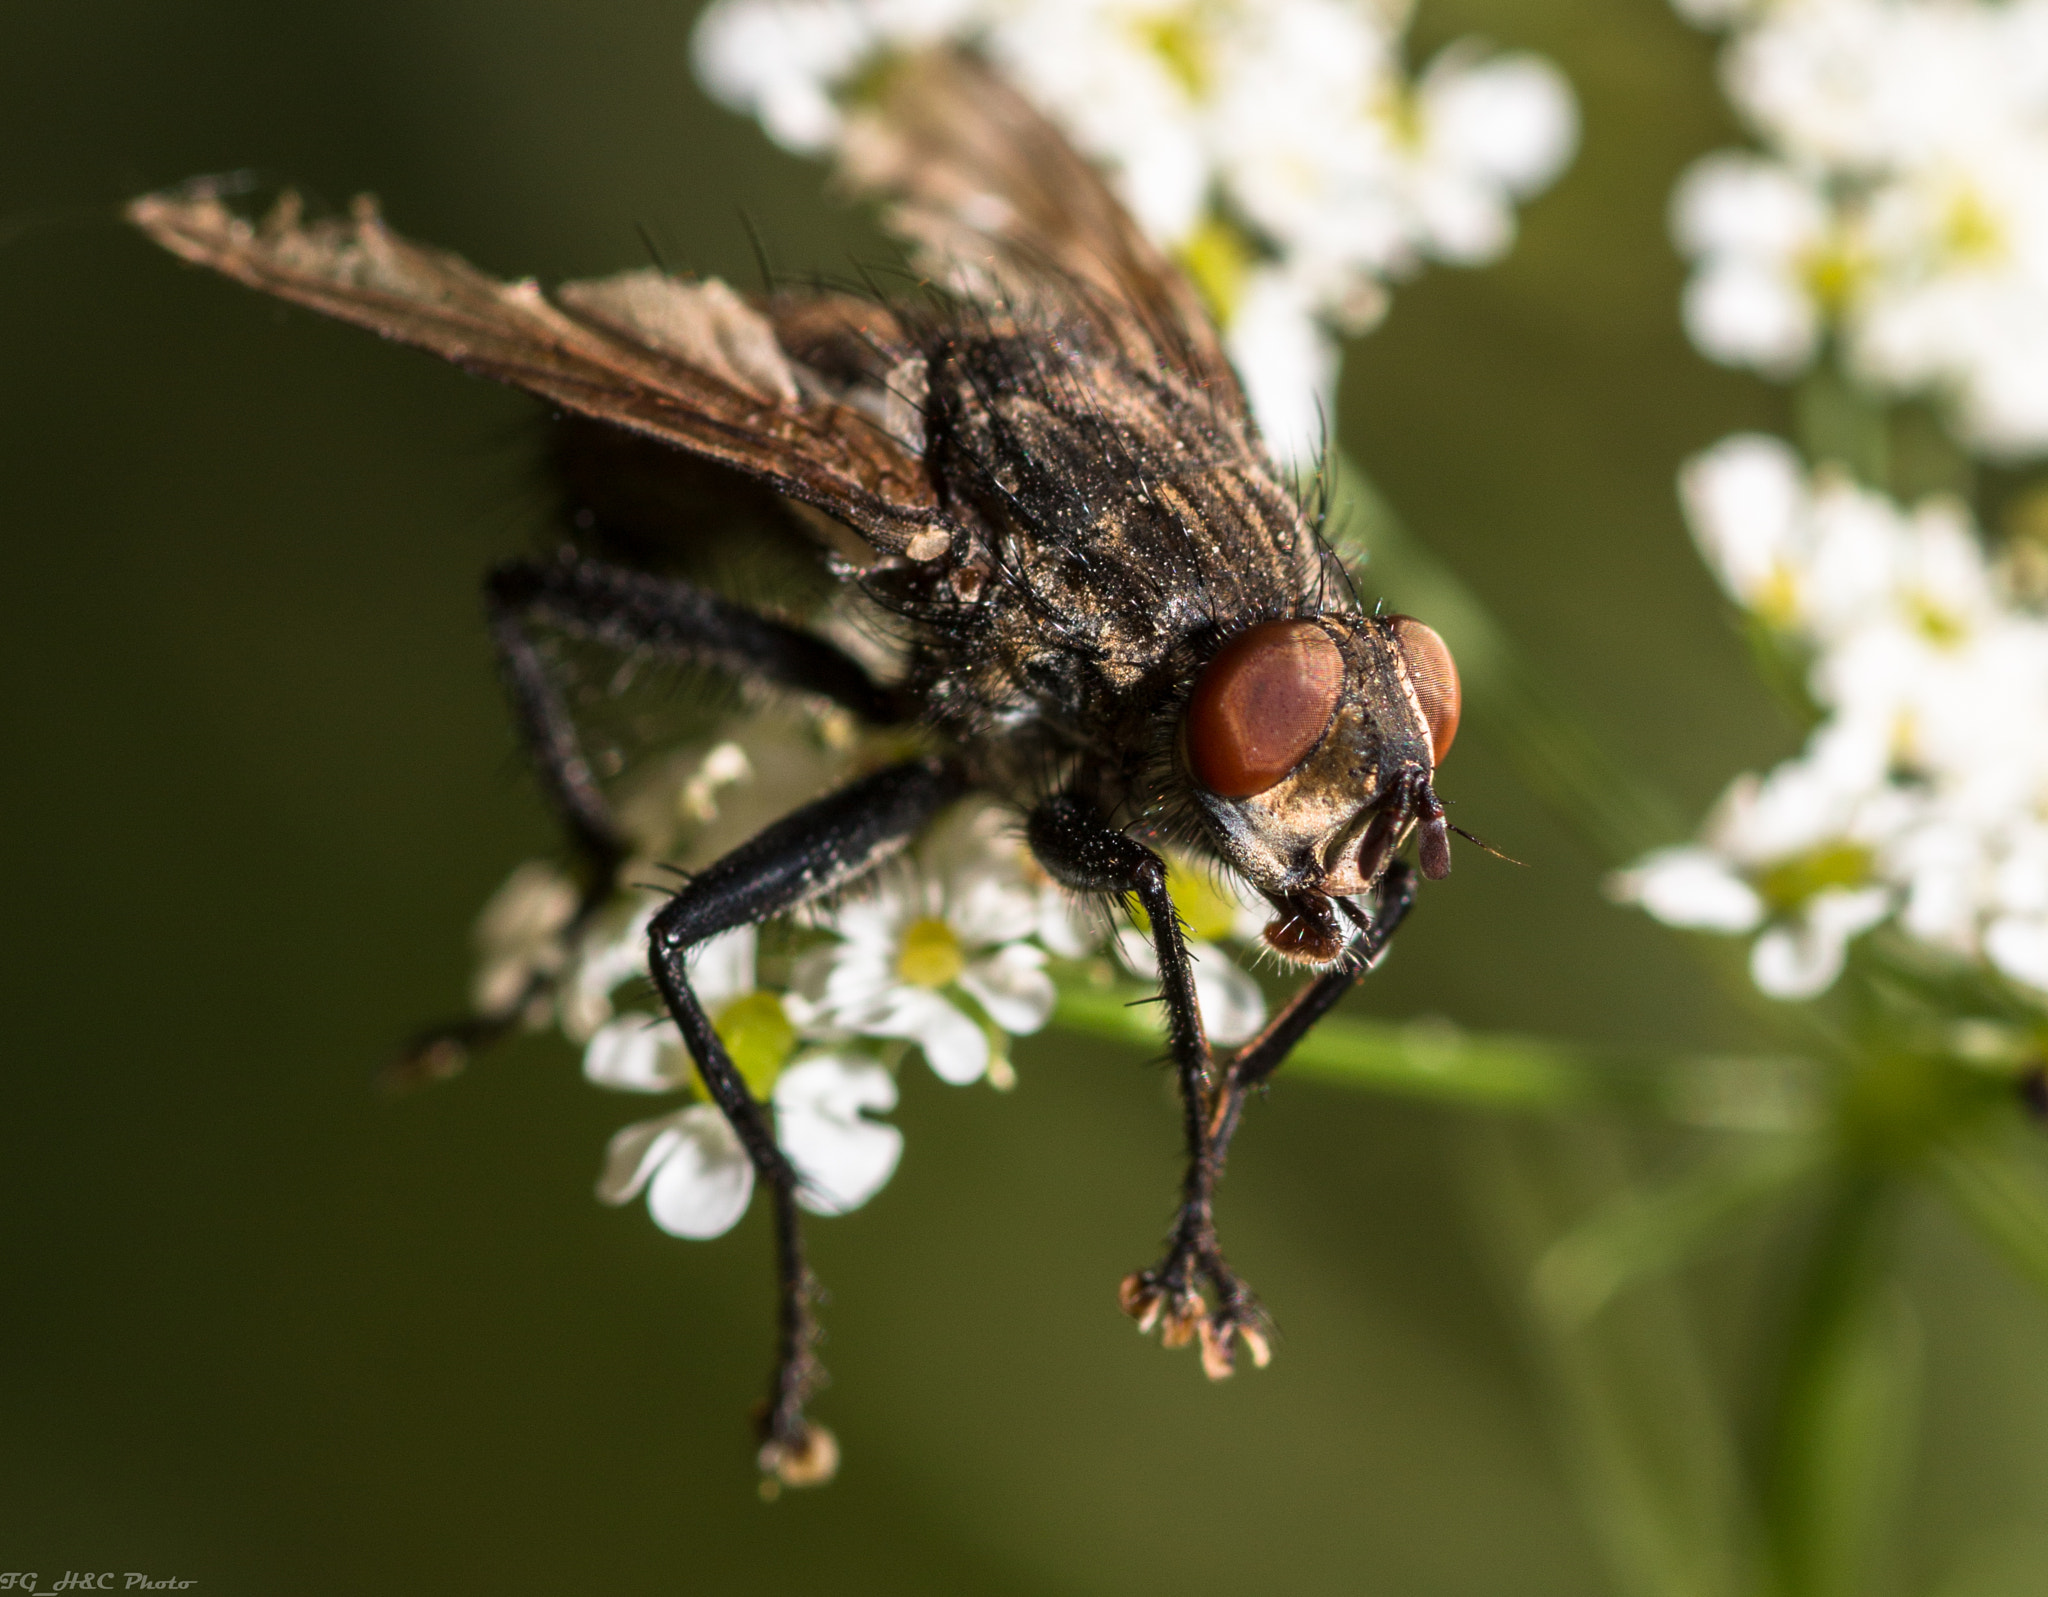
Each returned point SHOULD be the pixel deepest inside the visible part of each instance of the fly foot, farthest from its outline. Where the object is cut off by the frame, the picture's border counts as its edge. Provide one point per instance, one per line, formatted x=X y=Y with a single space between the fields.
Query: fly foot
x=1168 y=1296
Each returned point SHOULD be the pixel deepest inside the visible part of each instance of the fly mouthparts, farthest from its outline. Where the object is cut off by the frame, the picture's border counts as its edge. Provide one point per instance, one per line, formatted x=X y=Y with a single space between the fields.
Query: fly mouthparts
x=1436 y=847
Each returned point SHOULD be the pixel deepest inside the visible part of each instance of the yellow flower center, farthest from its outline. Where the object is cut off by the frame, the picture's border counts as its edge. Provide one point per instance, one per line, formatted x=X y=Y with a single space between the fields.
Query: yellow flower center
x=1833 y=273
x=1176 y=38
x=759 y=1037
x=1940 y=627
x=1208 y=911
x=1217 y=258
x=1973 y=232
x=931 y=955
x=1778 y=600
x=1790 y=883
x=1205 y=909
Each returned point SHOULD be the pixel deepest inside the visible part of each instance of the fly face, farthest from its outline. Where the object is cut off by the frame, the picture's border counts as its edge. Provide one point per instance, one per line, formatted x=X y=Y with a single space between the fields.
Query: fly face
x=1310 y=747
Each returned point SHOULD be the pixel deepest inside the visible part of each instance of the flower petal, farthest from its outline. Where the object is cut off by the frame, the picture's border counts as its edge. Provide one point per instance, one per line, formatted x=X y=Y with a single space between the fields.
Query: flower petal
x=637 y=1053
x=633 y=1155
x=1233 y=1008
x=955 y=1048
x=844 y=1158
x=722 y=968
x=1012 y=987
x=985 y=907
x=702 y=1186
x=1692 y=887
x=2019 y=947
x=1135 y=949
x=1803 y=959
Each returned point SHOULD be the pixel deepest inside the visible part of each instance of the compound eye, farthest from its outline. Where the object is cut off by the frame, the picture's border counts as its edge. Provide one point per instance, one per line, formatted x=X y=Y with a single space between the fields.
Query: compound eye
x=1434 y=676
x=1261 y=705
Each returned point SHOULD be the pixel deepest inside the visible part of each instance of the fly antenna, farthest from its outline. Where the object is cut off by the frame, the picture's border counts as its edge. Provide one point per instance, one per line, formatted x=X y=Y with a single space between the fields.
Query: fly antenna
x=1481 y=844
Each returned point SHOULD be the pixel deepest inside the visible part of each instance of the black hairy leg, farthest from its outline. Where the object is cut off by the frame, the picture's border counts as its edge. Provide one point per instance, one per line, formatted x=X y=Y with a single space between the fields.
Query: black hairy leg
x=804 y=856
x=1161 y=1292
x=630 y=612
x=1081 y=851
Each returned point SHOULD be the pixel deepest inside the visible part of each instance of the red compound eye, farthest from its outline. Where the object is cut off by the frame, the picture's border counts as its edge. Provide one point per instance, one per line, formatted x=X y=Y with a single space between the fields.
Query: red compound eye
x=1435 y=678
x=1261 y=705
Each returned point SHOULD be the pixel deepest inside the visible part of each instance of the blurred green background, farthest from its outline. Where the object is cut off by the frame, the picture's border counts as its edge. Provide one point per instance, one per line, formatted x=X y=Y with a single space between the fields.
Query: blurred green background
x=270 y=1333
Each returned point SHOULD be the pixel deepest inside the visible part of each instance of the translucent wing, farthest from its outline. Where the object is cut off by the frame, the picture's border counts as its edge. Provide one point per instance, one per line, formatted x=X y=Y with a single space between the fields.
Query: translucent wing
x=998 y=201
x=688 y=363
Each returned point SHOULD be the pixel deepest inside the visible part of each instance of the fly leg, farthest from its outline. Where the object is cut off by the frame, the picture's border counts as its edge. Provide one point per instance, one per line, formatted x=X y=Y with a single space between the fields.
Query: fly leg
x=802 y=857
x=1392 y=897
x=1238 y=1313
x=629 y=611
x=1082 y=852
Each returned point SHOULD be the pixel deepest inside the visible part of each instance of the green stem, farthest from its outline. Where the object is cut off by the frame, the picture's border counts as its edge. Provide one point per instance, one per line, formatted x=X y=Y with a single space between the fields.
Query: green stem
x=1845 y=1406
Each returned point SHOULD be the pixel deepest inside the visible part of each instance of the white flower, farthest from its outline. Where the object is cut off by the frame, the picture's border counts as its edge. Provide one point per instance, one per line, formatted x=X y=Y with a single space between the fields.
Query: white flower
x=639 y=1052
x=1795 y=854
x=698 y=1179
x=2019 y=948
x=696 y=1175
x=1290 y=115
x=1802 y=958
x=1691 y=887
x=950 y=925
x=1924 y=789
x=1213 y=905
x=844 y=1158
x=1745 y=499
x=1759 y=232
x=1487 y=131
x=1287 y=362
x=1904 y=204
x=519 y=935
x=777 y=59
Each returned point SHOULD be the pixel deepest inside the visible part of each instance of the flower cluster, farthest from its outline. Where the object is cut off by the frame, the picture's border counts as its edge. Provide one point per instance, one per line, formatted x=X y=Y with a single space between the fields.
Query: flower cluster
x=1922 y=795
x=1276 y=147
x=1897 y=228
x=1901 y=210
x=947 y=953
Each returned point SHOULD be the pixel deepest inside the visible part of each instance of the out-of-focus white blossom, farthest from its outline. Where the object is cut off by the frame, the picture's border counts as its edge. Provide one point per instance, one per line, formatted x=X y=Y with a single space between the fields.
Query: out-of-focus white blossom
x=1277 y=147
x=1903 y=204
x=822 y=1106
x=698 y=1179
x=1923 y=793
x=519 y=934
x=690 y=1164
x=1759 y=234
x=696 y=1175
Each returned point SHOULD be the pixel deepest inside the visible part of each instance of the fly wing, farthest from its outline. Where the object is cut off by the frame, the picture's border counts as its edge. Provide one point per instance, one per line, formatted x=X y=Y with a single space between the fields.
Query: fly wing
x=994 y=196
x=688 y=363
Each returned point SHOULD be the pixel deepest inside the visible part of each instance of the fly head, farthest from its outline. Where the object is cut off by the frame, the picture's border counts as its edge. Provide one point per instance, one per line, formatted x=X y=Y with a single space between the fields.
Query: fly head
x=1310 y=747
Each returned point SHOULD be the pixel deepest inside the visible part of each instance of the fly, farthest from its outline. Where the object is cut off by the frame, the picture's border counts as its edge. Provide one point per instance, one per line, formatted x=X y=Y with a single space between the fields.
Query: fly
x=1119 y=620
